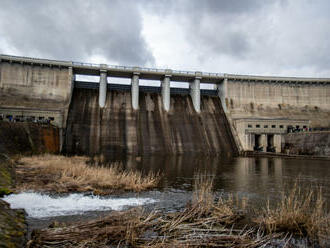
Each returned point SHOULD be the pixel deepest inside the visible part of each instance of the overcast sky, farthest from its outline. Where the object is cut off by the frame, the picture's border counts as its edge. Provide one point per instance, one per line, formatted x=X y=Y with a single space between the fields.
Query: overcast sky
x=263 y=37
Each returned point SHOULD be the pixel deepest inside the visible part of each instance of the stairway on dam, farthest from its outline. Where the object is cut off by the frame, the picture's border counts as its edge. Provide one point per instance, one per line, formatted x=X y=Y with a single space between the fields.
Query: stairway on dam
x=117 y=129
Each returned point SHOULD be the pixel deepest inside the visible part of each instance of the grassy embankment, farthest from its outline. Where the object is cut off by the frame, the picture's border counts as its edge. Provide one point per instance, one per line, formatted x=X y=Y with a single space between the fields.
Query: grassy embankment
x=64 y=174
x=208 y=221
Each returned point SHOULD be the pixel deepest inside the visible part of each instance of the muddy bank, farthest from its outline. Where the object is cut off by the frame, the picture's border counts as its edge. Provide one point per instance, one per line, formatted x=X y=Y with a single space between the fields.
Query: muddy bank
x=17 y=139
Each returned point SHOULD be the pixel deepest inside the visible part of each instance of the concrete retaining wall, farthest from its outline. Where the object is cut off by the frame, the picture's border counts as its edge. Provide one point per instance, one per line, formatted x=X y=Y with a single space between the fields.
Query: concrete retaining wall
x=278 y=100
x=35 y=87
x=310 y=143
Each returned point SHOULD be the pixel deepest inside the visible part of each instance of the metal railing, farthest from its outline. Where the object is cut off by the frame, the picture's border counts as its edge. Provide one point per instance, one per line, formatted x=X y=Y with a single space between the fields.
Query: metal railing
x=116 y=67
x=147 y=69
x=163 y=71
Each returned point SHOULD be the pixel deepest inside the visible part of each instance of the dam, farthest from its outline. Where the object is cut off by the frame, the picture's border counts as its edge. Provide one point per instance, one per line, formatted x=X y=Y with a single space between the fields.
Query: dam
x=240 y=113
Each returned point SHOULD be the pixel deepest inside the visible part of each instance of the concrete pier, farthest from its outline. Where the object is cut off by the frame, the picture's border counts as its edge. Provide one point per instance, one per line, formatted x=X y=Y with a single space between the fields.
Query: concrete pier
x=166 y=98
x=223 y=92
x=278 y=143
x=103 y=88
x=195 y=92
x=263 y=142
x=135 y=90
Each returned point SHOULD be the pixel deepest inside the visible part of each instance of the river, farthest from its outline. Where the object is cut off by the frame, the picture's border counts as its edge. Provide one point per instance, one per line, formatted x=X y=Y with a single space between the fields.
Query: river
x=258 y=179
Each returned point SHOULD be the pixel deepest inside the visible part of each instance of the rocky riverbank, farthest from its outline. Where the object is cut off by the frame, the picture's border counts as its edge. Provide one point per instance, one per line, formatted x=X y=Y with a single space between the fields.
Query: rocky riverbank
x=17 y=139
x=13 y=227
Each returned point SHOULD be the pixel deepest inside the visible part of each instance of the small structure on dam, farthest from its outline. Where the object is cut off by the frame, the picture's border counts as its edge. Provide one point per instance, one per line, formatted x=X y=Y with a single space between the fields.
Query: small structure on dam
x=266 y=134
x=241 y=113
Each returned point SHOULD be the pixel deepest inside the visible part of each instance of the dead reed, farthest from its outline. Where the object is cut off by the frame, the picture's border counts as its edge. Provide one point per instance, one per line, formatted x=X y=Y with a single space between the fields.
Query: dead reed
x=206 y=222
x=299 y=212
x=62 y=174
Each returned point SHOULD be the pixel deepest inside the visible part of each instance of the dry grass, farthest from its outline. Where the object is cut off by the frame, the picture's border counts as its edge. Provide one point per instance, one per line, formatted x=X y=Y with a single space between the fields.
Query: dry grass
x=63 y=174
x=206 y=222
x=301 y=213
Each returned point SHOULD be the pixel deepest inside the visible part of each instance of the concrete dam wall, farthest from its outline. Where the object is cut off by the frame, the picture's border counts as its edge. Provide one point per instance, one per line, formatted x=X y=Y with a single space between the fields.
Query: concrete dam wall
x=118 y=129
x=260 y=109
x=293 y=98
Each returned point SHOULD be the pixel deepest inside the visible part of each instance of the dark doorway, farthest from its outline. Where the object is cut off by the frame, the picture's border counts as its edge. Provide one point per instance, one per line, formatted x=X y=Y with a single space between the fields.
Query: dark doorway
x=270 y=143
x=257 y=143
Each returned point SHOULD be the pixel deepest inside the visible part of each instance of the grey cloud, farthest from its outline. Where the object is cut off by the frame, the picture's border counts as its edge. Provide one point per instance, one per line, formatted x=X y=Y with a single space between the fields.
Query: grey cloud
x=75 y=30
x=213 y=26
x=225 y=6
x=201 y=7
x=279 y=34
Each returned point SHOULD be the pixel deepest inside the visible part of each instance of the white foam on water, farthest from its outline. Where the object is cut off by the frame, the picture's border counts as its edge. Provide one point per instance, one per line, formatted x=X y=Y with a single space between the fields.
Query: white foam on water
x=42 y=205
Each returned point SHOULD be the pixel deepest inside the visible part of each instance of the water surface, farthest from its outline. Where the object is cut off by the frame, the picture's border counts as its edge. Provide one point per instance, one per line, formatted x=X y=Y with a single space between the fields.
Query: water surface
x=258 y=179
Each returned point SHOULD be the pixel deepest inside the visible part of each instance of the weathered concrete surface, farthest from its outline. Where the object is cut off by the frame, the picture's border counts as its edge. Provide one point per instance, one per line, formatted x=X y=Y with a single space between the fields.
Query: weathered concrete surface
x=24 y=86
x=28 y=138
x=301 y=101
x=309 y=143
x=118 y=129
x=274 y=99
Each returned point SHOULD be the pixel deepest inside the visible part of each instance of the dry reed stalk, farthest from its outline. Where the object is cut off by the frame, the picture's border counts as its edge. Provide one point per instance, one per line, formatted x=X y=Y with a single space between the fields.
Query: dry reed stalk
x=299 y=212
x=73 y=174
x=203 y=223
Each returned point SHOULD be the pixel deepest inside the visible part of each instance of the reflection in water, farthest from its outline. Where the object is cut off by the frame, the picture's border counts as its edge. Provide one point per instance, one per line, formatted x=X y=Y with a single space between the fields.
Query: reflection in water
x=257 y=178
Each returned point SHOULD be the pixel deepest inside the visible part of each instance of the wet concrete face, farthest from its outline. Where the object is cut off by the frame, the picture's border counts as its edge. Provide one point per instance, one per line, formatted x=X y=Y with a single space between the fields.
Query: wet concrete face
x=28 y=138
x=117 y=129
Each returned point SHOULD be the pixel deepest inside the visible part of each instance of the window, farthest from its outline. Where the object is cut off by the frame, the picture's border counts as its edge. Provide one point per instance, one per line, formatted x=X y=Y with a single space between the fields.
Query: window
x=51 y=118
x=305 y=126
x=297 y=126
x=273 y=126
x=249 y=126
x=41 y=117
x=257 y=126
x=265 y=126
x=281 y=126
